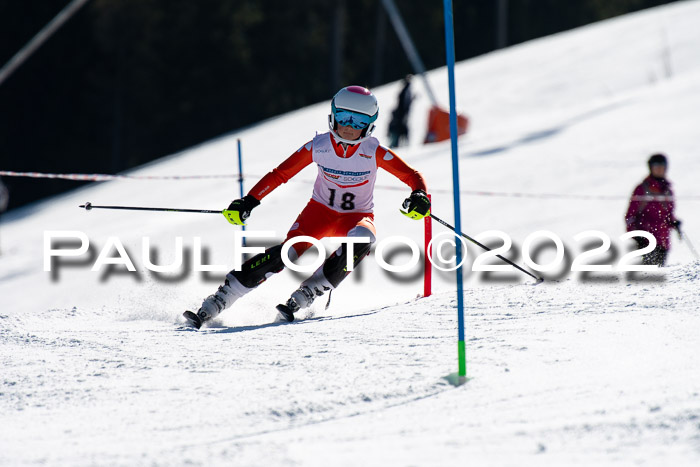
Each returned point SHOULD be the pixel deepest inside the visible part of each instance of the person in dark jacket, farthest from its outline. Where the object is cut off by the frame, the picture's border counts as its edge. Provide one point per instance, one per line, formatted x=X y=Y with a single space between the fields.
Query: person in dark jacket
x=398 y=127
x=4 y=197
x=651 y=209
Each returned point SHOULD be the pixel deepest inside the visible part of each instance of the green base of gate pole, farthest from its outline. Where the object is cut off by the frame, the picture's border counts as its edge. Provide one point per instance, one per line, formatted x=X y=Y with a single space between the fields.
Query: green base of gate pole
x=459 y=378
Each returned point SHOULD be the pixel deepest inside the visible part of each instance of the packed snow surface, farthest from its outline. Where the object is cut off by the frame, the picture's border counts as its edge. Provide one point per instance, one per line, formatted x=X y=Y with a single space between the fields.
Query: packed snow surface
x=598 y=368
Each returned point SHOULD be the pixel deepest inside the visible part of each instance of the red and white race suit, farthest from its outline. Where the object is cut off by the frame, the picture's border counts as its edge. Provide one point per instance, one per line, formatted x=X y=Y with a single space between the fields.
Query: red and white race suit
x=343 y=194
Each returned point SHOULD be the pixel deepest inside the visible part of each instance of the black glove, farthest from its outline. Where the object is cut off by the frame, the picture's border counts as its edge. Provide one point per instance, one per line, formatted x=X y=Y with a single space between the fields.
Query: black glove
x=416 y=206
x=239 y=209
x=676 y=224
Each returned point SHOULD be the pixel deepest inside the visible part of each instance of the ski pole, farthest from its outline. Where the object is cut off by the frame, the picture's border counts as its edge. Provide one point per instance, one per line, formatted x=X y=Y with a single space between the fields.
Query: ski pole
x=538 y=279
x=687 y=241
x=88 y=206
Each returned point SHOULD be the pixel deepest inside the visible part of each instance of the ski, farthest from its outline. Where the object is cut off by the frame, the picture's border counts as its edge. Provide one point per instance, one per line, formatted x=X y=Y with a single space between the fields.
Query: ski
x=285 y=312
x=192 y=319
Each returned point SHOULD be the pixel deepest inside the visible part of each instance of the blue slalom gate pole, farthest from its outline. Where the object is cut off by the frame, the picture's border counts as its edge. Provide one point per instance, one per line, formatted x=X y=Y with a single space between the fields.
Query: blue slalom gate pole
x=240 y=176
x=450 y=52
x=240 y=168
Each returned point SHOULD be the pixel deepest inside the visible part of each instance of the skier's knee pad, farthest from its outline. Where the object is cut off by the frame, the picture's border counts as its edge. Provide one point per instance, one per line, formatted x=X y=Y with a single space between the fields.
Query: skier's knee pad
x=362 y=231
x=261 y=266
x=335 y=268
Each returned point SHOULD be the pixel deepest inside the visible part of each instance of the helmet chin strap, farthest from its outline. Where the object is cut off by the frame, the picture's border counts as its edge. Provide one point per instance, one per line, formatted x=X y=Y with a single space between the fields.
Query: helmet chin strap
x=368 y=133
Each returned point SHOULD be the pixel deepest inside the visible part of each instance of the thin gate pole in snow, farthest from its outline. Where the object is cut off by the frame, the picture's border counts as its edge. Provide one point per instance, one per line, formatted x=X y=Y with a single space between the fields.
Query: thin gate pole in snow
x=461 y=376
x=240 y=176
x=428 y=271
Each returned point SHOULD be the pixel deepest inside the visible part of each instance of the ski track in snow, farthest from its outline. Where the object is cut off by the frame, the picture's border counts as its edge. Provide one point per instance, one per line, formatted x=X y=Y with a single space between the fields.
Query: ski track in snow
x=97 y=369
x=556 y=378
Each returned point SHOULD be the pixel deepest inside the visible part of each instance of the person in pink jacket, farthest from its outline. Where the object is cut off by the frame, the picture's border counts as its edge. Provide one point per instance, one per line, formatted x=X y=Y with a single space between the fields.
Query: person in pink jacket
x=651 y=209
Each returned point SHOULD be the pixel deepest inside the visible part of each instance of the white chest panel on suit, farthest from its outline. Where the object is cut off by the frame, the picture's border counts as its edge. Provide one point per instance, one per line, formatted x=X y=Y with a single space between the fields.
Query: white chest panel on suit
x=345 y=184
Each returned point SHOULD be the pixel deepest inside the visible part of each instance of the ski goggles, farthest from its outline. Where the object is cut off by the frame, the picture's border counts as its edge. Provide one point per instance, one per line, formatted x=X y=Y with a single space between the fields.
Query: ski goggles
x=352 y=119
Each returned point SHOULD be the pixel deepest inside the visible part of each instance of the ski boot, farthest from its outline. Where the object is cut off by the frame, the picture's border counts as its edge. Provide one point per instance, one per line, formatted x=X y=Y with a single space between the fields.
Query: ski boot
x=212 y=306
x=303 y=297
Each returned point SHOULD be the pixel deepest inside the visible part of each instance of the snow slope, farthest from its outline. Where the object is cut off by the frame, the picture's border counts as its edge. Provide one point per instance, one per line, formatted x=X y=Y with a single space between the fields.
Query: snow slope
x=600 y=369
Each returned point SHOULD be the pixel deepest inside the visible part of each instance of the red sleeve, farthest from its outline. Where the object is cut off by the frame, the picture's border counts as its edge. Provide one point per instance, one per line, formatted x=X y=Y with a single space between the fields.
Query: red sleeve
x=286 y=170
x=389 y=161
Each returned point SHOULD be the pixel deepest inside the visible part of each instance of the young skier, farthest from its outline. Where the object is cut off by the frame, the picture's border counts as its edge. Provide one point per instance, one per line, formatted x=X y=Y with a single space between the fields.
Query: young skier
x=341 y=204
x=652 y=215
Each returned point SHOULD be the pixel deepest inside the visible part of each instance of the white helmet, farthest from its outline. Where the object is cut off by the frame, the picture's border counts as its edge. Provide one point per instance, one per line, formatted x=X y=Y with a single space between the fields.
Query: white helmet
x=353 y=106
